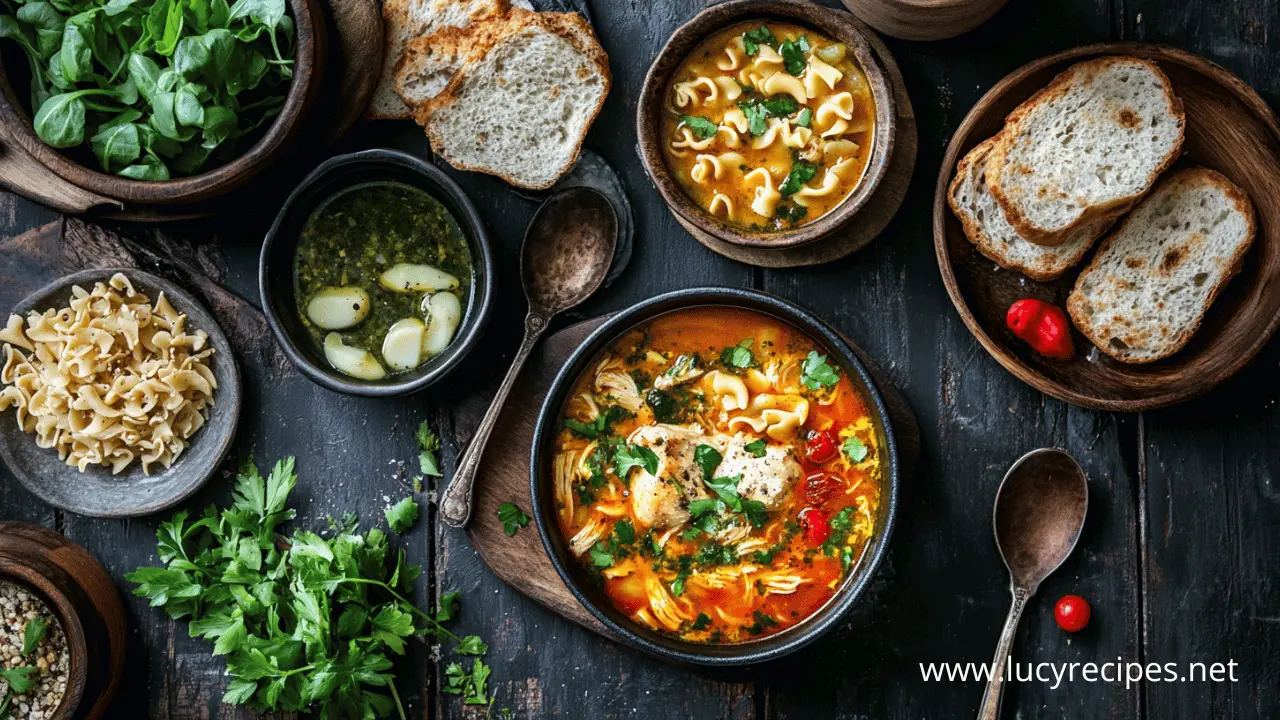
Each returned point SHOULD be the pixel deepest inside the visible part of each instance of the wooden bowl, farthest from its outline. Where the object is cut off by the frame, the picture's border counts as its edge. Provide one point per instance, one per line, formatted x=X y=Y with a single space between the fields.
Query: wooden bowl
x=96 y=492
x=309 y=61
x=79 y=591
x=653 y=96
x=1229 y=129
x=924 y=19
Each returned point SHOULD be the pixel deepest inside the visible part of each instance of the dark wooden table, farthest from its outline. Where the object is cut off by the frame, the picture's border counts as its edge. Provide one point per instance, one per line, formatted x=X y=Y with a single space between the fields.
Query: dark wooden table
x=1180 y=557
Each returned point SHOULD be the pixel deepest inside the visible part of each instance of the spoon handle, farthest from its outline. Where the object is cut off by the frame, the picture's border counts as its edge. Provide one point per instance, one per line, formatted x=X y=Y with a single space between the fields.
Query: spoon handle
x=455 y=506
x=990 y=709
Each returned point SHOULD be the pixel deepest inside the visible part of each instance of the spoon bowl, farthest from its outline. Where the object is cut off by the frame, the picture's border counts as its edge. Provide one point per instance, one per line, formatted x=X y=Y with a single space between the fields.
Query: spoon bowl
x=566 y=257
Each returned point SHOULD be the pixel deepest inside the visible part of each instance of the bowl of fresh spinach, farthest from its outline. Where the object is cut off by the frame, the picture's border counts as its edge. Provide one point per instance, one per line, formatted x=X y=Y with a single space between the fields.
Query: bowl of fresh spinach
x=158 y=101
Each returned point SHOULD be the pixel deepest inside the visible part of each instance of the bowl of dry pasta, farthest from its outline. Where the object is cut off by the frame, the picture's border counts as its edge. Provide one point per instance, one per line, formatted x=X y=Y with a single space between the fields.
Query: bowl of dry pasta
x=119 y=394
x=715 y=476
x=766 y=123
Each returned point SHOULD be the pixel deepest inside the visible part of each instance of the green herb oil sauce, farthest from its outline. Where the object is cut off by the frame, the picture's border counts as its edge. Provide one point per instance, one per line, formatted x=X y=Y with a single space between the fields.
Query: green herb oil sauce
x=365 y=230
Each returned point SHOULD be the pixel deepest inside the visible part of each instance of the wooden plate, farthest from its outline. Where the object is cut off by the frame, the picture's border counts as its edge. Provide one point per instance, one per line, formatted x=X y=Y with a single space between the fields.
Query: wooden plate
x=96 y=492
x=1230 y=129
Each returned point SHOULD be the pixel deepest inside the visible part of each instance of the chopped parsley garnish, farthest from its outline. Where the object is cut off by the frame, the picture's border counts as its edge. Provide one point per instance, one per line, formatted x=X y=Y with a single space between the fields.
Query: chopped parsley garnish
x=753 y=39
x=700 y=126
x=702 y=622
x=714 y=554
x=625 y=531
x=816 y=373
x=756 y=117
x=708 y=459
x=428 y=444
x=805 y=118
x=601 y=556
x=762 y=623
x=781 y=105
x=841 y=527
x=683 y=365
x=470 y=685
x=727 y=489
x=792 y=53
x=855 y=449
x=739 y=356
x=802 y=172
x=599 y=426
x=669 y=406
x=756 y=448
x=634 y=456
x=512 y=518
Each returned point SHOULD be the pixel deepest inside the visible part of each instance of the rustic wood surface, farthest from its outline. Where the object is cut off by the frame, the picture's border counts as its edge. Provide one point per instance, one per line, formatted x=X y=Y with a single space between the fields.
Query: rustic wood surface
x=1179 y=555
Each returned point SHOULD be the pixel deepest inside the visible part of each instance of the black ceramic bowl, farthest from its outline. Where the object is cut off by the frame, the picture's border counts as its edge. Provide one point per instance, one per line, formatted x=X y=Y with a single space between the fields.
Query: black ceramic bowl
x=544 y=509
x=275 y=269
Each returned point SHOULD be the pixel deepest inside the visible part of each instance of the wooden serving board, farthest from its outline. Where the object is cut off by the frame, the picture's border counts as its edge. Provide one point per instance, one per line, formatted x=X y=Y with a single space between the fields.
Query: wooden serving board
x=521 y=561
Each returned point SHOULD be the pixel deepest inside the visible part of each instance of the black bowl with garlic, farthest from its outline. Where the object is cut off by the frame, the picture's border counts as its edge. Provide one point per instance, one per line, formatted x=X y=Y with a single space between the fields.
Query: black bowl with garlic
x=389 y=265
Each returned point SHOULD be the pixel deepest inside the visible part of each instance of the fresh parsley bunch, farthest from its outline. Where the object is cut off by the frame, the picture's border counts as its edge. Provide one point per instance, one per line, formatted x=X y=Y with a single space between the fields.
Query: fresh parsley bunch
x=157 y=88
x=306 y=623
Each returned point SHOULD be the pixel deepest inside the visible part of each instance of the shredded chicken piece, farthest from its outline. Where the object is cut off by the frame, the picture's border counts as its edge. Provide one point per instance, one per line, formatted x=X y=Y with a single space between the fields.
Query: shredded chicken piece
x=750 y=545
x=781 y=583
x=665 y=609
x=565 y=466
x=588 y=536
x=613 y=510
x=612 y=382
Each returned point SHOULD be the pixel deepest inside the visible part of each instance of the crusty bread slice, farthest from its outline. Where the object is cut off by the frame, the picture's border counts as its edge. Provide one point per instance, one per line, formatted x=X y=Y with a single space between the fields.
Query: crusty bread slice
x=405 y=20
x=1148 y=288
x=521 y=105
x=1091 y=142
x=990 y=232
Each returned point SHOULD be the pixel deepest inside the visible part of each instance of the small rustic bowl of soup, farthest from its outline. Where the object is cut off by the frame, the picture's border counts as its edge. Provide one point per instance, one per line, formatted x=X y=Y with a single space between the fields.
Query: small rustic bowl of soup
x=375 y=275
x=766 y=123
x=715 y=476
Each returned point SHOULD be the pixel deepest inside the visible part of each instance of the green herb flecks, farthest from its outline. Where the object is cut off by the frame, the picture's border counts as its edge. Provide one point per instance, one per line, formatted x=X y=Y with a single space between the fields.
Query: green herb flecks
x=757 y=448
x=816 y=373
x=855 y=449
x=801 y=172
x=700 y=126
x=739 y=356
x=792 y=52
x=634 y=456
x=512 y=518
x=753 y=39
x=428 y=446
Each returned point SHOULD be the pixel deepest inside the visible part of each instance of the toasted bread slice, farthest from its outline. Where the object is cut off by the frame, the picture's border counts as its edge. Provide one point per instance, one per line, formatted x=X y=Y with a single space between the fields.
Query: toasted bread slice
x=521 y=105
x=406 y=20
x=1091 y=143
x=990 y=232
x=1148 y=288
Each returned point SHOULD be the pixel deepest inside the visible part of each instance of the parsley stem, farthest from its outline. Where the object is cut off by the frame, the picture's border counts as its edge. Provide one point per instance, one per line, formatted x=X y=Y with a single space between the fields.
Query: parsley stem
x=403 y=599
x=396 y=697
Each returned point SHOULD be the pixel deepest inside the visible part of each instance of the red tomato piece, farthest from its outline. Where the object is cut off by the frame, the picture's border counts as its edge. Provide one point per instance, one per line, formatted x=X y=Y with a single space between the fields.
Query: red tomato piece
x=821 y=447
x=821 y=487
x=1043 y=326
x=1072 y=613
x=816 y=526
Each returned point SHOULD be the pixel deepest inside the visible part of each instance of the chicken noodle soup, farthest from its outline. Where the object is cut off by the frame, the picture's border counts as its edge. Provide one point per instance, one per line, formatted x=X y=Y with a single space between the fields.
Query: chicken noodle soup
x=717 y=474
x=381 y=277
x=769 y=126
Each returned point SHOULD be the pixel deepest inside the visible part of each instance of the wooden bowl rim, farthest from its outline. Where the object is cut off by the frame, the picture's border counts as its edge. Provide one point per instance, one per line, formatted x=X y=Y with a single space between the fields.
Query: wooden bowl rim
x=830 y=21
x=33 y=580
x=227 y=398
x=960 y=142
x=220 y=180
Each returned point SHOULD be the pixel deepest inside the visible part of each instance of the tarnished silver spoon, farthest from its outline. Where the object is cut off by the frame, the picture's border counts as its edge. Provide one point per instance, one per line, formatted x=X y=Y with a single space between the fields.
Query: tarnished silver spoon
x=566 y=256
x=1039 y=513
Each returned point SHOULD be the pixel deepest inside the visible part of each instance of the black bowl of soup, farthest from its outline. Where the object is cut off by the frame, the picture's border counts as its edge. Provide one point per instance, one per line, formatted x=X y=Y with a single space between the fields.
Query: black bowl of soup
x=375 y=276
x=715 y=476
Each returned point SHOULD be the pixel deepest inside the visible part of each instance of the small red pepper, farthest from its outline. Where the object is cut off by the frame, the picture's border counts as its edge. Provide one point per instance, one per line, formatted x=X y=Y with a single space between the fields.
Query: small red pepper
x=821 y=487
x=821 y=447
x=1043 y=326
x=817 y=528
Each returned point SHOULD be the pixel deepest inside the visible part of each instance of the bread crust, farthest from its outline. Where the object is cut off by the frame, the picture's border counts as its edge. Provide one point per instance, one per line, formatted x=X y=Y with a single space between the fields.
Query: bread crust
x=1056 y=88
x=1076 y=301
x=488 y=34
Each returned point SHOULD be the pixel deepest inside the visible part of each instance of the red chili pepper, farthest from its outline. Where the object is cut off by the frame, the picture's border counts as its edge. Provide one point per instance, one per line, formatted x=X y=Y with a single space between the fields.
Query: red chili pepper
x=820 y=487
x=821 y=447
x=1072 y=613
x=817 y=528
x=1043 y=326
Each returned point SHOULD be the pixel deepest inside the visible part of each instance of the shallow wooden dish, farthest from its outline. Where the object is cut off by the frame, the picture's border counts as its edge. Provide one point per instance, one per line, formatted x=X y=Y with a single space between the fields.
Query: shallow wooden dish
x=79 y=591
x=653 y=96
x=924 y=19
x=309 y=61
x=1230 y=129
x=96 y=492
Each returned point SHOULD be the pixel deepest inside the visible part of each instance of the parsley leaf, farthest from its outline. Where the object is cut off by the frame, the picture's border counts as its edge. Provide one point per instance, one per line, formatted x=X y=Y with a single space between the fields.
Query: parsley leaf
x=402 y=515
x=781 y=105
x=708 y=459
x=739 y=356
x=756 y=114
x=625 y=531
x=512 y=518
x=727 y=490
x=601 y=556
x=816 y=373
x=32 y=634
x=634 y=456
x=753 y=39
x=756 y=448
x=702 y=622
x=801 y=172
x=792 y=53
x=429 y=444
x=472 y=645
x=805 y=118
x=855 y=449
x=600 y=426
x=471 y=685
x=762 y=623
x=700 y=126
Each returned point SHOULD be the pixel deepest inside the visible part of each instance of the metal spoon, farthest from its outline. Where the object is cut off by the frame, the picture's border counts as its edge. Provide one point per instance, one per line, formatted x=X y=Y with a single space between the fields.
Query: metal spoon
x=565 y=258
x=1039 y=513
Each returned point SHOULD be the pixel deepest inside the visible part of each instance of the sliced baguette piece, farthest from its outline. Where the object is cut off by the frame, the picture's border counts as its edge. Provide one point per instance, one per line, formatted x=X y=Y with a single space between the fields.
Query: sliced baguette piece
x=520 y=107
x=990 y=232
x=1092 y=142
x=1151 y=282
x=406 y=20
